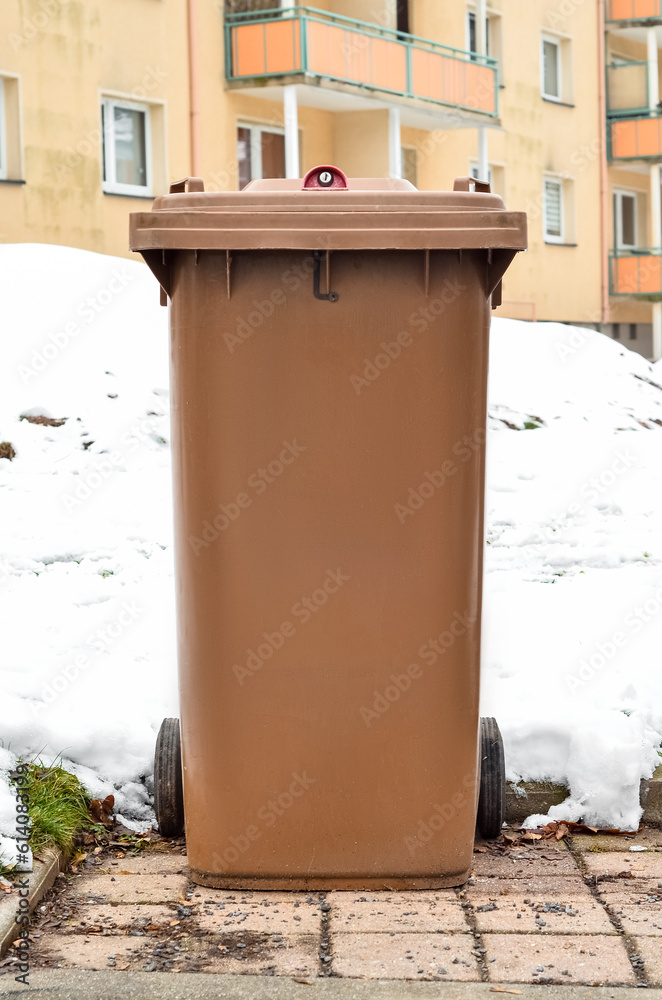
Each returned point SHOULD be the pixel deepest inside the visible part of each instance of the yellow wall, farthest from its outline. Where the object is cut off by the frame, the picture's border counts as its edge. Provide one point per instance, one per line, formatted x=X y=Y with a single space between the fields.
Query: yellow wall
x=63 y=56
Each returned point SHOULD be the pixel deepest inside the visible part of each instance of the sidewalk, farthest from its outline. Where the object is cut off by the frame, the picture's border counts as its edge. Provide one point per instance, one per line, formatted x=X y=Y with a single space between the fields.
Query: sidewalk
x=544 y=913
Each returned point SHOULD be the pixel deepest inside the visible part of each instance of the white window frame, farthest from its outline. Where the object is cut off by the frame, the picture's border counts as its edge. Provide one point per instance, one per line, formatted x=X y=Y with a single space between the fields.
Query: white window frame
x=3 y=133
x=558 y=181
x=111 y=185
x=556 y=41
x=256 y=131
x=617 y=200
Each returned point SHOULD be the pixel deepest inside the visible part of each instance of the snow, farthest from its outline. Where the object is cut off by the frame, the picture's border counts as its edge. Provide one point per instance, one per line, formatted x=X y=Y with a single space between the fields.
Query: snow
x=573 y=586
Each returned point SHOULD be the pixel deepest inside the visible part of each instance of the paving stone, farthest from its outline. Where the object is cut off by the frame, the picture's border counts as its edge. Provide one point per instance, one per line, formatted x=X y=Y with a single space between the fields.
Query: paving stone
x=651 y=952
x=149 y=863
x=535 y=958
x=106 y=917
x=129 y=888
x=404 y=956
x=268 y=954
x=78 y=951
x=539 y=888
x=588 y=843
x=524 y=864
x=285 y=913
x=556 y=915
x=645 y=864
x=401 y=911
x=630 y=890
x=645 y=919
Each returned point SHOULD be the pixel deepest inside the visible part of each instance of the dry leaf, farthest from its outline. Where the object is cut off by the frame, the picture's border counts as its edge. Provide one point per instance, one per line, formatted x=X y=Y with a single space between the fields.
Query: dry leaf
x=175 y=923
x=502 y=989
x=304 y=982
x=530 y=835
x=101 y=812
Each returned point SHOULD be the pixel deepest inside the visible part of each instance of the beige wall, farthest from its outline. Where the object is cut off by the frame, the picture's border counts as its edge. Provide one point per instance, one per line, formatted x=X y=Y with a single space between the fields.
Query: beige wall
x=63 y=62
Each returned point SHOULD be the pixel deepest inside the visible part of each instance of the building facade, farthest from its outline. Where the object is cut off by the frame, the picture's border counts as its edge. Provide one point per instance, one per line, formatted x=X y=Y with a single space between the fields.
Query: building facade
x=556 y=102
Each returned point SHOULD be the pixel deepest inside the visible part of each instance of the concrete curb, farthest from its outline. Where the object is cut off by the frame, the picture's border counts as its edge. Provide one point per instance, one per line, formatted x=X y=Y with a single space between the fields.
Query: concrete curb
x=44 y=872
x=74 y=984
x=530 y=797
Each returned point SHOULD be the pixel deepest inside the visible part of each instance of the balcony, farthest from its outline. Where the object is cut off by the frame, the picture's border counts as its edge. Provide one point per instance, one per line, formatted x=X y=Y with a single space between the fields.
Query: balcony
x=335 y=55
x=634 y=12
x=636 y=272
x=633 y=131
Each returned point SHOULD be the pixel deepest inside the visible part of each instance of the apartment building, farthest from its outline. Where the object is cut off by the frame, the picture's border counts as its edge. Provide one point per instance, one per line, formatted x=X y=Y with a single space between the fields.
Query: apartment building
x=555 y=102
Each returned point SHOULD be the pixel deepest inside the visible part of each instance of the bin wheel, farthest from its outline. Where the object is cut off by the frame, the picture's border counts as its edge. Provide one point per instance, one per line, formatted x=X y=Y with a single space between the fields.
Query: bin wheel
x=168 y=789
x=492 y=795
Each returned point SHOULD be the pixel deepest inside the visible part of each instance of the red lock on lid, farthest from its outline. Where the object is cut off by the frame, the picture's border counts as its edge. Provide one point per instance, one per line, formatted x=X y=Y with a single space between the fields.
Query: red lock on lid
x=325 y=178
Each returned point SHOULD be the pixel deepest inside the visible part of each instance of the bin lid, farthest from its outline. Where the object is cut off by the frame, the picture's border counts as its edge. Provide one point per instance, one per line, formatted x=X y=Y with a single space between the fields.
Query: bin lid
x=361 y=214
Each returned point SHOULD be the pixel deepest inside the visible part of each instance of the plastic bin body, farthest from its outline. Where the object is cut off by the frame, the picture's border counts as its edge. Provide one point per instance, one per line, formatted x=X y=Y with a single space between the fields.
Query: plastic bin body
x=329 y=481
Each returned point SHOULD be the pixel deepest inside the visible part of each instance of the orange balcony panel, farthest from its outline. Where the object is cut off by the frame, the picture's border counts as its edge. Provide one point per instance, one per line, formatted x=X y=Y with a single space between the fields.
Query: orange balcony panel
x=438 y=78
x=637 y=275
x=636 y=137
x=625 y=279
x=389 y=61
x=623 y=139
x=480 y=87
x=326 y=49
x=266 y=48
x=626 y=10
x=648 y=137
x=248 y=50
x=650 y=275
x=282 y=46
x=349 y=55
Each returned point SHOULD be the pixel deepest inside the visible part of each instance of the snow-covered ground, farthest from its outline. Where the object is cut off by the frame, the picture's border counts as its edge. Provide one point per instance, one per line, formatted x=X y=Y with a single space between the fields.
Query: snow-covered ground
x=573 y=590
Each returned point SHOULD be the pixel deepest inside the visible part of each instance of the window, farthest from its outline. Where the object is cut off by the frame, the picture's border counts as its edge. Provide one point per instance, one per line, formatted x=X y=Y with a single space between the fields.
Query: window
x=125 y=128
x=11 y=150
x=616 y=331
x=471 y=33
x=625 y=220
x=261 y=152
x=410 y=164
x=633 y=331
x=553 y=210
x=402 y=16
x=492 y=34
x=473 y=172
x=551 y=68
x=496 y=176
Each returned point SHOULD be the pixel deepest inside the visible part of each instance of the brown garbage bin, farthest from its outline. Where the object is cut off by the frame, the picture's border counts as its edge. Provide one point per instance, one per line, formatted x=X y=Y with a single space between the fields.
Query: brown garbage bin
x=329 y=348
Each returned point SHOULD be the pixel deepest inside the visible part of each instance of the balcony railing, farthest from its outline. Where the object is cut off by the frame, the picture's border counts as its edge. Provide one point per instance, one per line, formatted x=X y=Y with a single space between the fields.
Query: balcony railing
x=627 y=88
x=635 y=138
x=634 y=10
x=636 y=272
x=315 y=45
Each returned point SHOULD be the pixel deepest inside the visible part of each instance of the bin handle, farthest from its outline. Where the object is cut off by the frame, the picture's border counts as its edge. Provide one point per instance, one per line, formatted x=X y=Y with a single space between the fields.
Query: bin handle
x=471 y=184
x=189 y=184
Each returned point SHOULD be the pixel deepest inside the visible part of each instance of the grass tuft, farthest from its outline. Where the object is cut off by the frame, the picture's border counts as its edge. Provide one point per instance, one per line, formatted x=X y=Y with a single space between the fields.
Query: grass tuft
x=58 y=807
